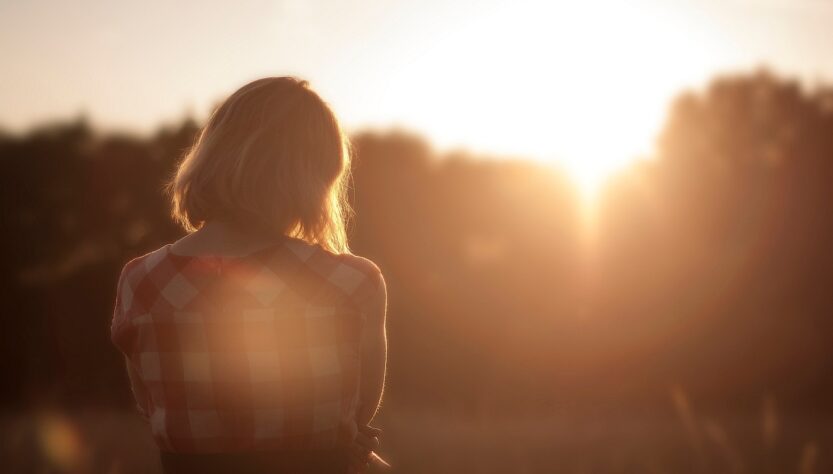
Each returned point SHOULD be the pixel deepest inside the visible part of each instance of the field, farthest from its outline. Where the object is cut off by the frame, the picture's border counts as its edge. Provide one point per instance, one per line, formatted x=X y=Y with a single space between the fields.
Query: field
x=681 y=442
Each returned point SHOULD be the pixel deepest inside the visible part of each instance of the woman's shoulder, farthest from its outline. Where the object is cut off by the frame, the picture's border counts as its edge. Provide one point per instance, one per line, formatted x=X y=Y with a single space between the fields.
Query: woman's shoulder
x=363 y=265
x=353 y=274
x=132 y=274
x=316 y=255
x=360 y=277
x=141 y=264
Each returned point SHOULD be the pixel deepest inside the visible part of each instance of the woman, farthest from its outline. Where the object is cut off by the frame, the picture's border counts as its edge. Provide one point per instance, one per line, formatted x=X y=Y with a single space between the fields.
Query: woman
x=256 y=343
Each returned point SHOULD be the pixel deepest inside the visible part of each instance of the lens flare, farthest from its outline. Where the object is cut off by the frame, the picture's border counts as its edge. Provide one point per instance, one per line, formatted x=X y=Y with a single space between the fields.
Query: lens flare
x=62 y=443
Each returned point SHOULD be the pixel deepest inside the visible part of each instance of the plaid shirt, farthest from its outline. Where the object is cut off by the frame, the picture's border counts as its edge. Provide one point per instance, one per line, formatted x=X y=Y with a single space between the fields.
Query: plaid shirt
x=245 y=353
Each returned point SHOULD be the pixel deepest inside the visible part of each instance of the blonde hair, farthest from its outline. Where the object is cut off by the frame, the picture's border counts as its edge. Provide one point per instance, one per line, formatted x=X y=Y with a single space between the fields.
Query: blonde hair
x=272 y=158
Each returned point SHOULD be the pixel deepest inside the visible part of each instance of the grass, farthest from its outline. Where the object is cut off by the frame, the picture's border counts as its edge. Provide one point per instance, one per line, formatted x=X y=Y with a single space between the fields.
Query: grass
x=677 y=440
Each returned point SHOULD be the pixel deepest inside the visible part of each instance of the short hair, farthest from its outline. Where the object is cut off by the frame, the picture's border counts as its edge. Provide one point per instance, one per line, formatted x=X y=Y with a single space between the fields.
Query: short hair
x=272 y=158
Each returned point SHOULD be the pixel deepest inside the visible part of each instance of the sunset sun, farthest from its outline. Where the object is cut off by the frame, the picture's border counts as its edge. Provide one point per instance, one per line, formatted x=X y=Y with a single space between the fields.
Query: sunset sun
x=562 y=84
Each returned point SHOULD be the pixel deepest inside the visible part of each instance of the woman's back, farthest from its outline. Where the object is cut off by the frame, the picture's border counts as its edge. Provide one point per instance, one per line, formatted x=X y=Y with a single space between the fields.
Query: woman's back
x=258 y=339
x=246 y=353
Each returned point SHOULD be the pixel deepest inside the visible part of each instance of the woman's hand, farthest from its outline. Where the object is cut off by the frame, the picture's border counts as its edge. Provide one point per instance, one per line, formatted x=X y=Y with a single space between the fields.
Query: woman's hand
x=361 y=452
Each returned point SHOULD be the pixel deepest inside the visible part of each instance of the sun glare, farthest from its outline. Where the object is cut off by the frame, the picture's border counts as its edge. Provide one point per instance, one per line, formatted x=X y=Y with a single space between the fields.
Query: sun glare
x=581 y=85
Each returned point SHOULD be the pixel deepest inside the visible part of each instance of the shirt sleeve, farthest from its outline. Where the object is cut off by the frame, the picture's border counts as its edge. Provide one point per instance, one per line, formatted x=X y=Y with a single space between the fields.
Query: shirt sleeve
x=370 y=289
x=139 y=389
x=121 y=331
x=120 y=325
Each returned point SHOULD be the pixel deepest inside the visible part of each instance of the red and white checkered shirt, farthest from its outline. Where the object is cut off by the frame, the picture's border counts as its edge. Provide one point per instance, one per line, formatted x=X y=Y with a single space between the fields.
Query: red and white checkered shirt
x=246 y=353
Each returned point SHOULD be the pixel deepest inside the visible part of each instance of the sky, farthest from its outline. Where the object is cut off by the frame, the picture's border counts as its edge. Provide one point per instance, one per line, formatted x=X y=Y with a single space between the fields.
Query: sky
x=582 y=83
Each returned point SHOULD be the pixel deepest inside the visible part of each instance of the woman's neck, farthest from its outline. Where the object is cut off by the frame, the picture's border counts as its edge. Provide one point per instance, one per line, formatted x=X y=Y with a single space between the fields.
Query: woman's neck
x=221 y=238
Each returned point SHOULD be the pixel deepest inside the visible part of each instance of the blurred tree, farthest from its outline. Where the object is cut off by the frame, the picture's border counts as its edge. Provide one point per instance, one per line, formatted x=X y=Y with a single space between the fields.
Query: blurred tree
x=710 y=267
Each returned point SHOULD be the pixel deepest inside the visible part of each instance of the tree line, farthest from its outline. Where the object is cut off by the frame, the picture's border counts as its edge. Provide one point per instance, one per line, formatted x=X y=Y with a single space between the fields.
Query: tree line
x=709 y=267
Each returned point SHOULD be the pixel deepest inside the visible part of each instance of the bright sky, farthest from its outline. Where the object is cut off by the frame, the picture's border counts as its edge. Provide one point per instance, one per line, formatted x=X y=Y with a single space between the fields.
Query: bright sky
x=581 y=83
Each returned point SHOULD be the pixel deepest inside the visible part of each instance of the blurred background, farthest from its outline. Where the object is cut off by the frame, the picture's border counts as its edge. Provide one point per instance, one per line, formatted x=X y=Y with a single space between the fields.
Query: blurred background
x=605 y=226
